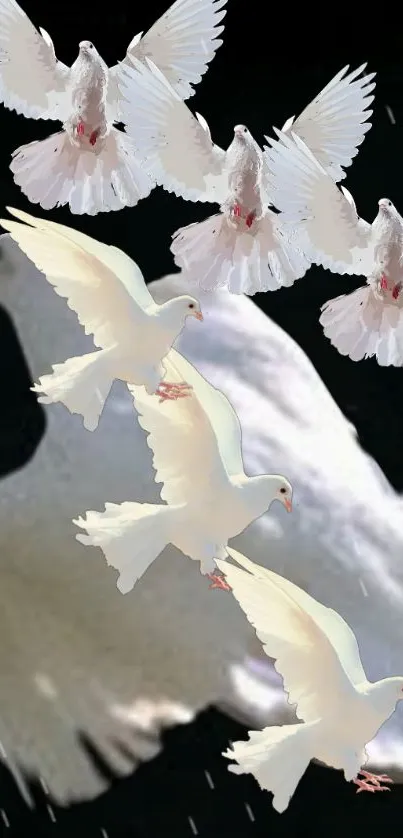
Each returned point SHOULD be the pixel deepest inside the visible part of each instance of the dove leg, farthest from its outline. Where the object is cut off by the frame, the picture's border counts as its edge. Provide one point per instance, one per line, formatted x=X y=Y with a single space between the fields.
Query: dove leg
x=250 y=219
x=218 y=581
x=172 y=391
x=371 y=782
x=396 y=291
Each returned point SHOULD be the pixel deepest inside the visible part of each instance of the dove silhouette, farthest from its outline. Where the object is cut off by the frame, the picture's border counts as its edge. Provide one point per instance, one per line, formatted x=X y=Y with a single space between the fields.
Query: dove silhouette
x=246 y=247
x=317 y=655
x=107 y=291
x=90 y=165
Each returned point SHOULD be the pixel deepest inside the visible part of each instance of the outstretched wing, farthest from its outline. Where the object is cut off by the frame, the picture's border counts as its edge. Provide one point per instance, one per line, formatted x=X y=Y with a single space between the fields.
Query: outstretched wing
x=181 y=44
x=329 y=229
x=175 y=146
x=187 y=456
x=92 y=287
x=315 y=651
x=32 y=81
x=334 y=124
x=119 y=262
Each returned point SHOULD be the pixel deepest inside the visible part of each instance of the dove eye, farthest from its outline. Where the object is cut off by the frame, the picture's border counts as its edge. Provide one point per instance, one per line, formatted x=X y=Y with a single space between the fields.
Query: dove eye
x=283 y=490
x=191 y=305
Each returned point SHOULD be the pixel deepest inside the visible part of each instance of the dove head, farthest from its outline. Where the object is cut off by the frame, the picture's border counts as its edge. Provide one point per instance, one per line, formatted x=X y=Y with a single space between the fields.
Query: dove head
x=87 y=48
x=386 y=208
x=174 y=312
x=242 y=133
x=271 y=487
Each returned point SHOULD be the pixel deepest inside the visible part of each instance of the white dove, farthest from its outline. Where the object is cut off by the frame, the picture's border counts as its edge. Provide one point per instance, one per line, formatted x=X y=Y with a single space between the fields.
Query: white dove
x=107 y=291
x=245 y=248
x=197 y=455
x=318 y=658
x=369 y=321
x=91 y=165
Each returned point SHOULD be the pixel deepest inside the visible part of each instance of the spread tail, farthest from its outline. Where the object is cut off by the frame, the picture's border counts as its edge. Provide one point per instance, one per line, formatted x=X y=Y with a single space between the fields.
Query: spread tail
x=363 y=324
x=54 y=172
x=277 y=757
x=130 y=535
x=214 y=254
x=81 y=384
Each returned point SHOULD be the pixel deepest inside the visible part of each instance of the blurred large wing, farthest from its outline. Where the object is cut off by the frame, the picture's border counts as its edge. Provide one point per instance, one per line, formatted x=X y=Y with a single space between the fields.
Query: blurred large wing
x=181 y=44
x=329 y=229
x=315 y=651
x=186 y=452
x=95 y=291
x=32 y=81
x=175 y=146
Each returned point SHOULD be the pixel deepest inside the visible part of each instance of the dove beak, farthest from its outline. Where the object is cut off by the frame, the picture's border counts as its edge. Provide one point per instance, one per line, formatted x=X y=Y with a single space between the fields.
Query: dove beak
x=288 y=504
x=198 y=315
x=383 y=203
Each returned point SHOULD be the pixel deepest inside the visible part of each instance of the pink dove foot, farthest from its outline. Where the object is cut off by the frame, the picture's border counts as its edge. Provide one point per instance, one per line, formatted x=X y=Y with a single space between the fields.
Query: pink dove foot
x=80 y=129
x=218 y=582
x=396 y=291
x=171 y=392
x=372 y=782
x=250 y=219
x=93 y=137
x=236 y=211
x=384 y=282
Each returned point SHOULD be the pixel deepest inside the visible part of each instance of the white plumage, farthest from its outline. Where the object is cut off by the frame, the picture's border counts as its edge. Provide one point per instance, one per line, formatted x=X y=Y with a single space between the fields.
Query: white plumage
x=316 y=654
x=90 y=165
x=107 y=291
x=197 y=456
x=246 y=247
x=369 y=321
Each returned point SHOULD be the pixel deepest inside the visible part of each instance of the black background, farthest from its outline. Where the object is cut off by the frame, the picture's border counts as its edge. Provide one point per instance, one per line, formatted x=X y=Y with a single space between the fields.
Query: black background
x=274 y=60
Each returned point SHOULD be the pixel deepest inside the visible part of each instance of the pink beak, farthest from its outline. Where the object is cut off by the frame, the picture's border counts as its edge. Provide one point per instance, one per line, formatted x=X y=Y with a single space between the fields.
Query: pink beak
x=288 y=505
x=198 y=315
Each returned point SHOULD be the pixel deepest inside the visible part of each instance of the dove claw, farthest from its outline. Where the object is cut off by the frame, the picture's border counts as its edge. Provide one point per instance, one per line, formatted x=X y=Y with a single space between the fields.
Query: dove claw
x=93 y=137
x=171 y=392
x=372 y=782
x=218 y=582
x=80 y=129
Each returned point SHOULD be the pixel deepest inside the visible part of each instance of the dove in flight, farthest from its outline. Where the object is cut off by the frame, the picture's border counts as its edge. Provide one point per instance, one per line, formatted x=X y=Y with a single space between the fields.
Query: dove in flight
x=208 y=498
x=91 y=165
x=317 y=655
x=369 y=321
x=245 y=247
x=107 y=291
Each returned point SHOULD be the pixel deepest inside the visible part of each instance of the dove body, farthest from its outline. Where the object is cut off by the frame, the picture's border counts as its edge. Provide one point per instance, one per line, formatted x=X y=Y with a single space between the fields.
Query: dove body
x=89 y=83
x=244 y=169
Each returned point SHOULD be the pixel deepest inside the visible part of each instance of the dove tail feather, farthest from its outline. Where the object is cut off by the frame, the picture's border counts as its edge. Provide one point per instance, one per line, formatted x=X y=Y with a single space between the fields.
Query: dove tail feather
x=361 y=325
x=214 y=254
x=107 y=177
x=81 y=384
x=130 y=535
x=277 y=757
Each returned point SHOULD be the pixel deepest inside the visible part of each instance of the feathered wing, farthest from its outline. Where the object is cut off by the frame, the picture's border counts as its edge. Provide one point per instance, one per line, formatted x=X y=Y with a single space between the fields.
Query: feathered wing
x=32 y=81
x=329 y=229
x=128 y=271
x=334 y=124
x=186 y=453
x=175 y=146
x=102 y=302
x=181 y=44
x=315 y=651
